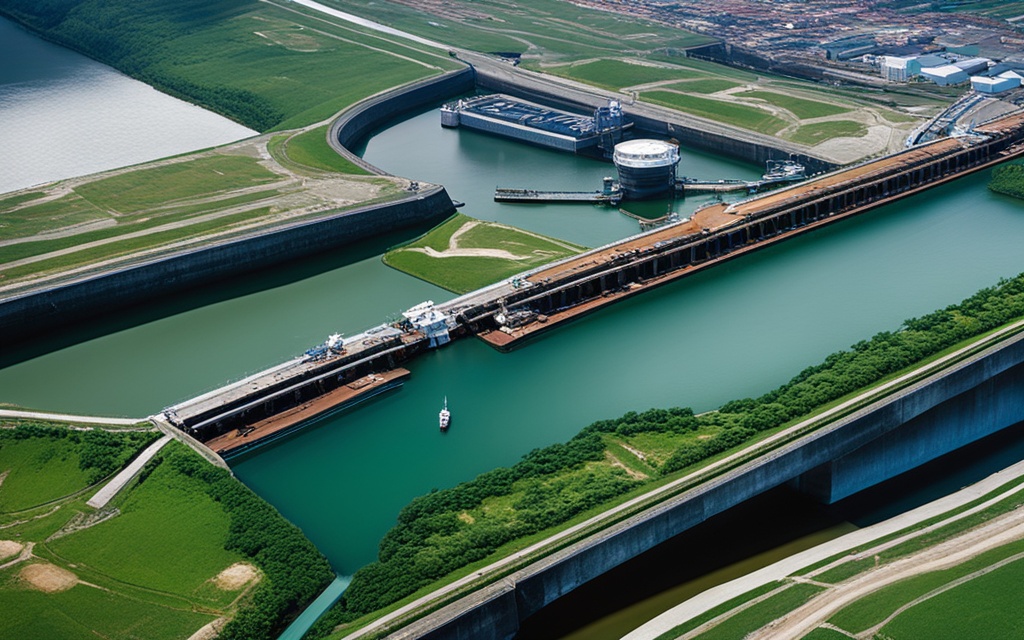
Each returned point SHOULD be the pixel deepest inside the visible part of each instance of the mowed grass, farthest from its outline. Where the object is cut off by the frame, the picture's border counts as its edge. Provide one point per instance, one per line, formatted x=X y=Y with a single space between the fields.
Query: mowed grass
x=159 y=186
x=710 y=85
x=816 y=132
x=39 y=470
x=986 y=607
x=742 y=116
x=172 y=523
x=463 y=273
x=802 y=108
x=875 y=607
x=87 y=613
x=762 y=613
x=310 y=149
x=617 y=74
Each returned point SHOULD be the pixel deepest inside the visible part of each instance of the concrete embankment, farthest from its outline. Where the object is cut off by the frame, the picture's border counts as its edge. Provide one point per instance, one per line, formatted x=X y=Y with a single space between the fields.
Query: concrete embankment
x=55 y=306
x=942 y=412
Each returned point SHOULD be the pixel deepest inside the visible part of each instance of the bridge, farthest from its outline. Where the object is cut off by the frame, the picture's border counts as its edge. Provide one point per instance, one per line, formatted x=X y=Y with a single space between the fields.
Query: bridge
x=938 y=408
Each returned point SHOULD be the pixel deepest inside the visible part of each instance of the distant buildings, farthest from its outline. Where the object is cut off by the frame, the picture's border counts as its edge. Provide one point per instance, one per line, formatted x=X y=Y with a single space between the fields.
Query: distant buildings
x=945 y=75
x=896 y=69
x=996 y=84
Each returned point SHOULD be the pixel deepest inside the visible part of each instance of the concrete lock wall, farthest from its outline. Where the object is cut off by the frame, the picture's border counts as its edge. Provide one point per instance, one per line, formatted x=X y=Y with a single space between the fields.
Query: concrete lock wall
x=55 y=306
x=913 y=426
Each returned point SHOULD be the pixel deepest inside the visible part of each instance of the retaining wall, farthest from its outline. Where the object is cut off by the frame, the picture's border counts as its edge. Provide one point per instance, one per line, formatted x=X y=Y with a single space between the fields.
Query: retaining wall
x=918 y=424
x=52 y=307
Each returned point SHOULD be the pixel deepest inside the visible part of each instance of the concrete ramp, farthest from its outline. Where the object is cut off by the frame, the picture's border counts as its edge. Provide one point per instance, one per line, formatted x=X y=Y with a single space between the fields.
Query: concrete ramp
x=109 y=490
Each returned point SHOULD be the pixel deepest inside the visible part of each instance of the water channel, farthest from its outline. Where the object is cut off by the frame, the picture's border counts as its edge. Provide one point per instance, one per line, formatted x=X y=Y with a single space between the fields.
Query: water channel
x=64 y=115
x=736 y=330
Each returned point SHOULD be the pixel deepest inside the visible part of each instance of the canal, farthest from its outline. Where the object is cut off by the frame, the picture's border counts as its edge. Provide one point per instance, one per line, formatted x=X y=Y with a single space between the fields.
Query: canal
x=737 y=330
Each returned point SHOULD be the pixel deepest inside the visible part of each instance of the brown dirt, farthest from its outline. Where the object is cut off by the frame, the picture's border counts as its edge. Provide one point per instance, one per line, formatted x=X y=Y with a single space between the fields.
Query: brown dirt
x=209 y=631
x=48 y=578
x=9 y=548
x=236 y=576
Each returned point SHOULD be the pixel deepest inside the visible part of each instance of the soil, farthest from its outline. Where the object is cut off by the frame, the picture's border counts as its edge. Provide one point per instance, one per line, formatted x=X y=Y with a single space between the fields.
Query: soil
x=209 y=631
x=236 y=576
x=9 y=548
x=48 y=578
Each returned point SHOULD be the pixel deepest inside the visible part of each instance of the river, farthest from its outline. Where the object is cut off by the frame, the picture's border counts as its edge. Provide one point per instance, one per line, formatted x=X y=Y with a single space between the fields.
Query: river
x=65 y=115
x=737 y=330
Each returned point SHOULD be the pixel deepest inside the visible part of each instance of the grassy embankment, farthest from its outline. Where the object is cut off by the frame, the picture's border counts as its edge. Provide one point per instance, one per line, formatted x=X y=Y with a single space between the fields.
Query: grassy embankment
x=457 y=531
x=789 y=109
x=463 y=254
x=189 y=200
x=150 y=564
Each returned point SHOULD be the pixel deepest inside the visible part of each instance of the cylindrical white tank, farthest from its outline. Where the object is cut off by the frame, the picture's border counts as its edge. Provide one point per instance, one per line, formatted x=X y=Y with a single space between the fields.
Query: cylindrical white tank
x=647 y=168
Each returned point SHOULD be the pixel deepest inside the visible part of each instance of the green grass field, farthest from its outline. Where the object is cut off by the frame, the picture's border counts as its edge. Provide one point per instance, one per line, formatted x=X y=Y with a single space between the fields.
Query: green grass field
x=146 y=569
x=710 y=85
x=812 y=134
x=737 y=115
x=38 y=470
x=466 y=267
x=800 y=107
x=310 y=149
x=163 y=185
x=617 y=74
x=760 y=614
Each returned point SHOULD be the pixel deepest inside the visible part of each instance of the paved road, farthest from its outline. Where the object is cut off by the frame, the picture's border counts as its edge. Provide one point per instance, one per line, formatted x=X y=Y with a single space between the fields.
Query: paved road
x=109 y=490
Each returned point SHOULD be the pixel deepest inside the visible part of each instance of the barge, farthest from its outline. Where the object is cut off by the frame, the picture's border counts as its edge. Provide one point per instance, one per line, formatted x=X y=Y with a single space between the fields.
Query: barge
x=525 y=121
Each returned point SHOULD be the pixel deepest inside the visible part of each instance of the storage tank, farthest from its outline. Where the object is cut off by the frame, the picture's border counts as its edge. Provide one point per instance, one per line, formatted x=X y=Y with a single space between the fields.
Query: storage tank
x=647 y=168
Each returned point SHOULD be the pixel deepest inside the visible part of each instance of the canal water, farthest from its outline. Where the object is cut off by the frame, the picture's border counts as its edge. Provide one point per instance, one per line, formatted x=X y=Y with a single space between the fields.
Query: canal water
x=737 y=330
x=64 y=115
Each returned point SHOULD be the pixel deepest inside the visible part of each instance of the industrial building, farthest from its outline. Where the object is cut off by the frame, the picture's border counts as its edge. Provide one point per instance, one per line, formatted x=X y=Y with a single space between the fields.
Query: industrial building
x=945 y=75
x=896 y=69
x=996 y=84
x=973 y=65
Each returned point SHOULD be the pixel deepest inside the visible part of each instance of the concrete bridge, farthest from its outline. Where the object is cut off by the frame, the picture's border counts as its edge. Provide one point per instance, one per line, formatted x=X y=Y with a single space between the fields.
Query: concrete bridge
x=938 y=408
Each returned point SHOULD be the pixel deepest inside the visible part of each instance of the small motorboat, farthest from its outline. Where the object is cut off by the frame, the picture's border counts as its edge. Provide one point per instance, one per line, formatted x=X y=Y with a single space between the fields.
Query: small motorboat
x=445 y=416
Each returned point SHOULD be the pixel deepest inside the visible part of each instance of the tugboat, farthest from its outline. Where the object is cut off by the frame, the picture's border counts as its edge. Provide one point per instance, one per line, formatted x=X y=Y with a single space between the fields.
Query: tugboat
x=445 y=416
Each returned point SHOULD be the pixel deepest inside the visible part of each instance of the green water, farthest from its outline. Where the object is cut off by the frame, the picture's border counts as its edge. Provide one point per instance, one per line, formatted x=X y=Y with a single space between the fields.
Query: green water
x=736 y=330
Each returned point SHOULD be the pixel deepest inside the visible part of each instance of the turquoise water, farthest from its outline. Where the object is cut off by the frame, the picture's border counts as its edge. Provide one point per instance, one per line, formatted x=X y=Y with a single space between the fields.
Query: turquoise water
x=736 y=330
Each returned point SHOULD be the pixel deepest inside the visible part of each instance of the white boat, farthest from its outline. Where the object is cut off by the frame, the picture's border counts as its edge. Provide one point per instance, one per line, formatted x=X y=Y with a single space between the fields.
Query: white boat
x=445 y=416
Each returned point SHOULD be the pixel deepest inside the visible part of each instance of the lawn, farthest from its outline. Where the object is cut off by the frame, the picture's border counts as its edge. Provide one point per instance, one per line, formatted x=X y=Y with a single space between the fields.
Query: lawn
x=162 y=185
x=465 y=266
x=310 y=149
x=812 y=134
x=979 y=608
x=181 y=529
x=800 y=107
x=742 y=116
x=760 y=614
x=710 y=85
x=87 y=613
x=39 y=470
x=616 y=74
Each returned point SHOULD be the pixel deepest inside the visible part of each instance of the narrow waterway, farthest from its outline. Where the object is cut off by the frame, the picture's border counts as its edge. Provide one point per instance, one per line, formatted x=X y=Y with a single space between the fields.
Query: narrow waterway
x=64 y=115
x=736 y=330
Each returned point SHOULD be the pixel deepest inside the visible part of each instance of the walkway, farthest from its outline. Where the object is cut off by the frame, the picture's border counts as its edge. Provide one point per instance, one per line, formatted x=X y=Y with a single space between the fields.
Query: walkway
x=855 y=540
x=64 y=417
x=109 y=490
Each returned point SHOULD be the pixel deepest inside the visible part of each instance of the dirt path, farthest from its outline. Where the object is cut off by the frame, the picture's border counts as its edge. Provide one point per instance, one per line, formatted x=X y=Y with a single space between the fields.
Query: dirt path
x=998 y=532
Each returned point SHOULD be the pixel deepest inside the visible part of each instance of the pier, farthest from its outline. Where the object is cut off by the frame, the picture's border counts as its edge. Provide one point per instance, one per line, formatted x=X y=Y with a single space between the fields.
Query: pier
x=531 y=195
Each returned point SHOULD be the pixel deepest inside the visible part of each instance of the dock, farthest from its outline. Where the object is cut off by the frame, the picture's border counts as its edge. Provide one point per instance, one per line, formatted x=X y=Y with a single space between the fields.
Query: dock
x=531 y=195
x=281 y=424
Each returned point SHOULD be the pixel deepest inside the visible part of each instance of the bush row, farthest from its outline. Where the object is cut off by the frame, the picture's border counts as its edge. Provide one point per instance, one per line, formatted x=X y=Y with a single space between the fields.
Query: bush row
x=101 y=453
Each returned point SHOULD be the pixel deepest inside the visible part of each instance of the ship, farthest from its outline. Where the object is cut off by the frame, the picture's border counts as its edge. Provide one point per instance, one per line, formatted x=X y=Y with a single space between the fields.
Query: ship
x=445 y=416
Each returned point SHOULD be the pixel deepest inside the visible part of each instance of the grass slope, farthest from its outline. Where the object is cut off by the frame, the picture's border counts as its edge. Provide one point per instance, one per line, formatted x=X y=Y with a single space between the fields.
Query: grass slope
x=146 y=571
x=743 y=116
x=434 y=258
